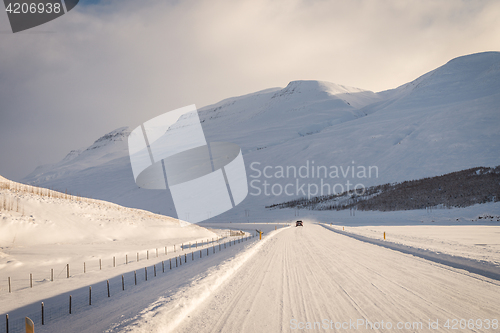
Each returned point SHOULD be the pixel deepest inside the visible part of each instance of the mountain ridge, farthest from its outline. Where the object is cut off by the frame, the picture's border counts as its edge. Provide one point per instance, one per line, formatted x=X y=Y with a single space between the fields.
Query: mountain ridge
x=443 y=121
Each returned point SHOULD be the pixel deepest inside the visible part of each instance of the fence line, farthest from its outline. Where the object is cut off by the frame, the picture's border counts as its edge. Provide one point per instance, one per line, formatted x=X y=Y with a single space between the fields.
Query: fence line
x=100 y=292
x=87 y=267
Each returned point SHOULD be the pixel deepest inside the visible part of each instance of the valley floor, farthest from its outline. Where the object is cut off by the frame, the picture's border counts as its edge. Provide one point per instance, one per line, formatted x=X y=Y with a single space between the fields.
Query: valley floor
x=296 y=278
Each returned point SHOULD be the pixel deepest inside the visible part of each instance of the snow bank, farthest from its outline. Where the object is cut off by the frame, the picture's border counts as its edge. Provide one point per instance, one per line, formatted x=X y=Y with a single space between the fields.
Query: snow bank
x=440 y=252
x=42 y=230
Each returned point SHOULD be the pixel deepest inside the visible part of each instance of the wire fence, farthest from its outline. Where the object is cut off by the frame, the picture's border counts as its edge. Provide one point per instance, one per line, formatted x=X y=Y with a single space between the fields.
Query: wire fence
x=11 y=285
x=97 y=293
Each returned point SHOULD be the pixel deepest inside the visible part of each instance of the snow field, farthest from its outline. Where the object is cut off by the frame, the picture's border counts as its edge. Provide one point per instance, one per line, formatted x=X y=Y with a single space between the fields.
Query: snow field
x=124 y=309
x=57 y=307
x=94 y=235
x=479 y=242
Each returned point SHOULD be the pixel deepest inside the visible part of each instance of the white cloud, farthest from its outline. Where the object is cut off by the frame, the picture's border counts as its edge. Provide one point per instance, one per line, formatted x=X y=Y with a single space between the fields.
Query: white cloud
x=122 y=62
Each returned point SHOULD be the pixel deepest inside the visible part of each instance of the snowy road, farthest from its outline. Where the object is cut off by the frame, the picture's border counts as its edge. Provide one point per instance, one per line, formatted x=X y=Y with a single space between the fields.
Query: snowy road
x=313 y=278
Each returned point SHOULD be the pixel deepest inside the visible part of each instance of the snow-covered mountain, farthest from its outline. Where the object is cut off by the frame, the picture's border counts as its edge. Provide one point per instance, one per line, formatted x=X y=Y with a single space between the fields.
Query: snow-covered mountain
x=444 y=121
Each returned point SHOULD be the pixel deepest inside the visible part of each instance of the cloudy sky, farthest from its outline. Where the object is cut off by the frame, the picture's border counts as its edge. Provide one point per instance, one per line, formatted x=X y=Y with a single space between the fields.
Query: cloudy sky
x=120 y=62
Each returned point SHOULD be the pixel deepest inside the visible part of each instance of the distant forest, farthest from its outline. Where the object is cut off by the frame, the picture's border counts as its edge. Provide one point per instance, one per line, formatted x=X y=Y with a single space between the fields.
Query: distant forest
x=457 y=189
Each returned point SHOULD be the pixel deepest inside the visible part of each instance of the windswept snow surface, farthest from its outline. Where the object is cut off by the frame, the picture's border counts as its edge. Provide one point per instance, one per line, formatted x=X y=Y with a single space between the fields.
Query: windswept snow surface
x=42 y=233
x=480 y=243
x=176 y=291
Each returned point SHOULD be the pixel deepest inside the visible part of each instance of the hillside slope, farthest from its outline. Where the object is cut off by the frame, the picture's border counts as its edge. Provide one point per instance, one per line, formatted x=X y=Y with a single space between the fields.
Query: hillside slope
x=444 y=121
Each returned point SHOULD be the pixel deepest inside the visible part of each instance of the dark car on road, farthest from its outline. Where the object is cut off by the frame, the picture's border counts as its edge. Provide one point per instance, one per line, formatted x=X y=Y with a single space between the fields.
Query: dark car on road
x=299 y=224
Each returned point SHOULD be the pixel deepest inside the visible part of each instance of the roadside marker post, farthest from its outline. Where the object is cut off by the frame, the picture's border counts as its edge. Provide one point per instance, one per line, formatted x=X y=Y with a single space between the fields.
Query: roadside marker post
x=260 y=234
x=30 y=326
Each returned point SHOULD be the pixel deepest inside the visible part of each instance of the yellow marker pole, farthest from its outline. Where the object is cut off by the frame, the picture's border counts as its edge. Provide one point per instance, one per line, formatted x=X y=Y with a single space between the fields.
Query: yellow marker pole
x=260 y=235
x=384 y=235
x=30 y=326
x=275 y=228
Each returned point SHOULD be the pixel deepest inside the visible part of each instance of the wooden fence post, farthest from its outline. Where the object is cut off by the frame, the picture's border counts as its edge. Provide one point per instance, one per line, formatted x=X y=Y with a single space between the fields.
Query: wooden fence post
x=67 y=271
x=69 y=304
x=123 y=283
x=90 y=295
x=31 y=280
x=107 y=283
